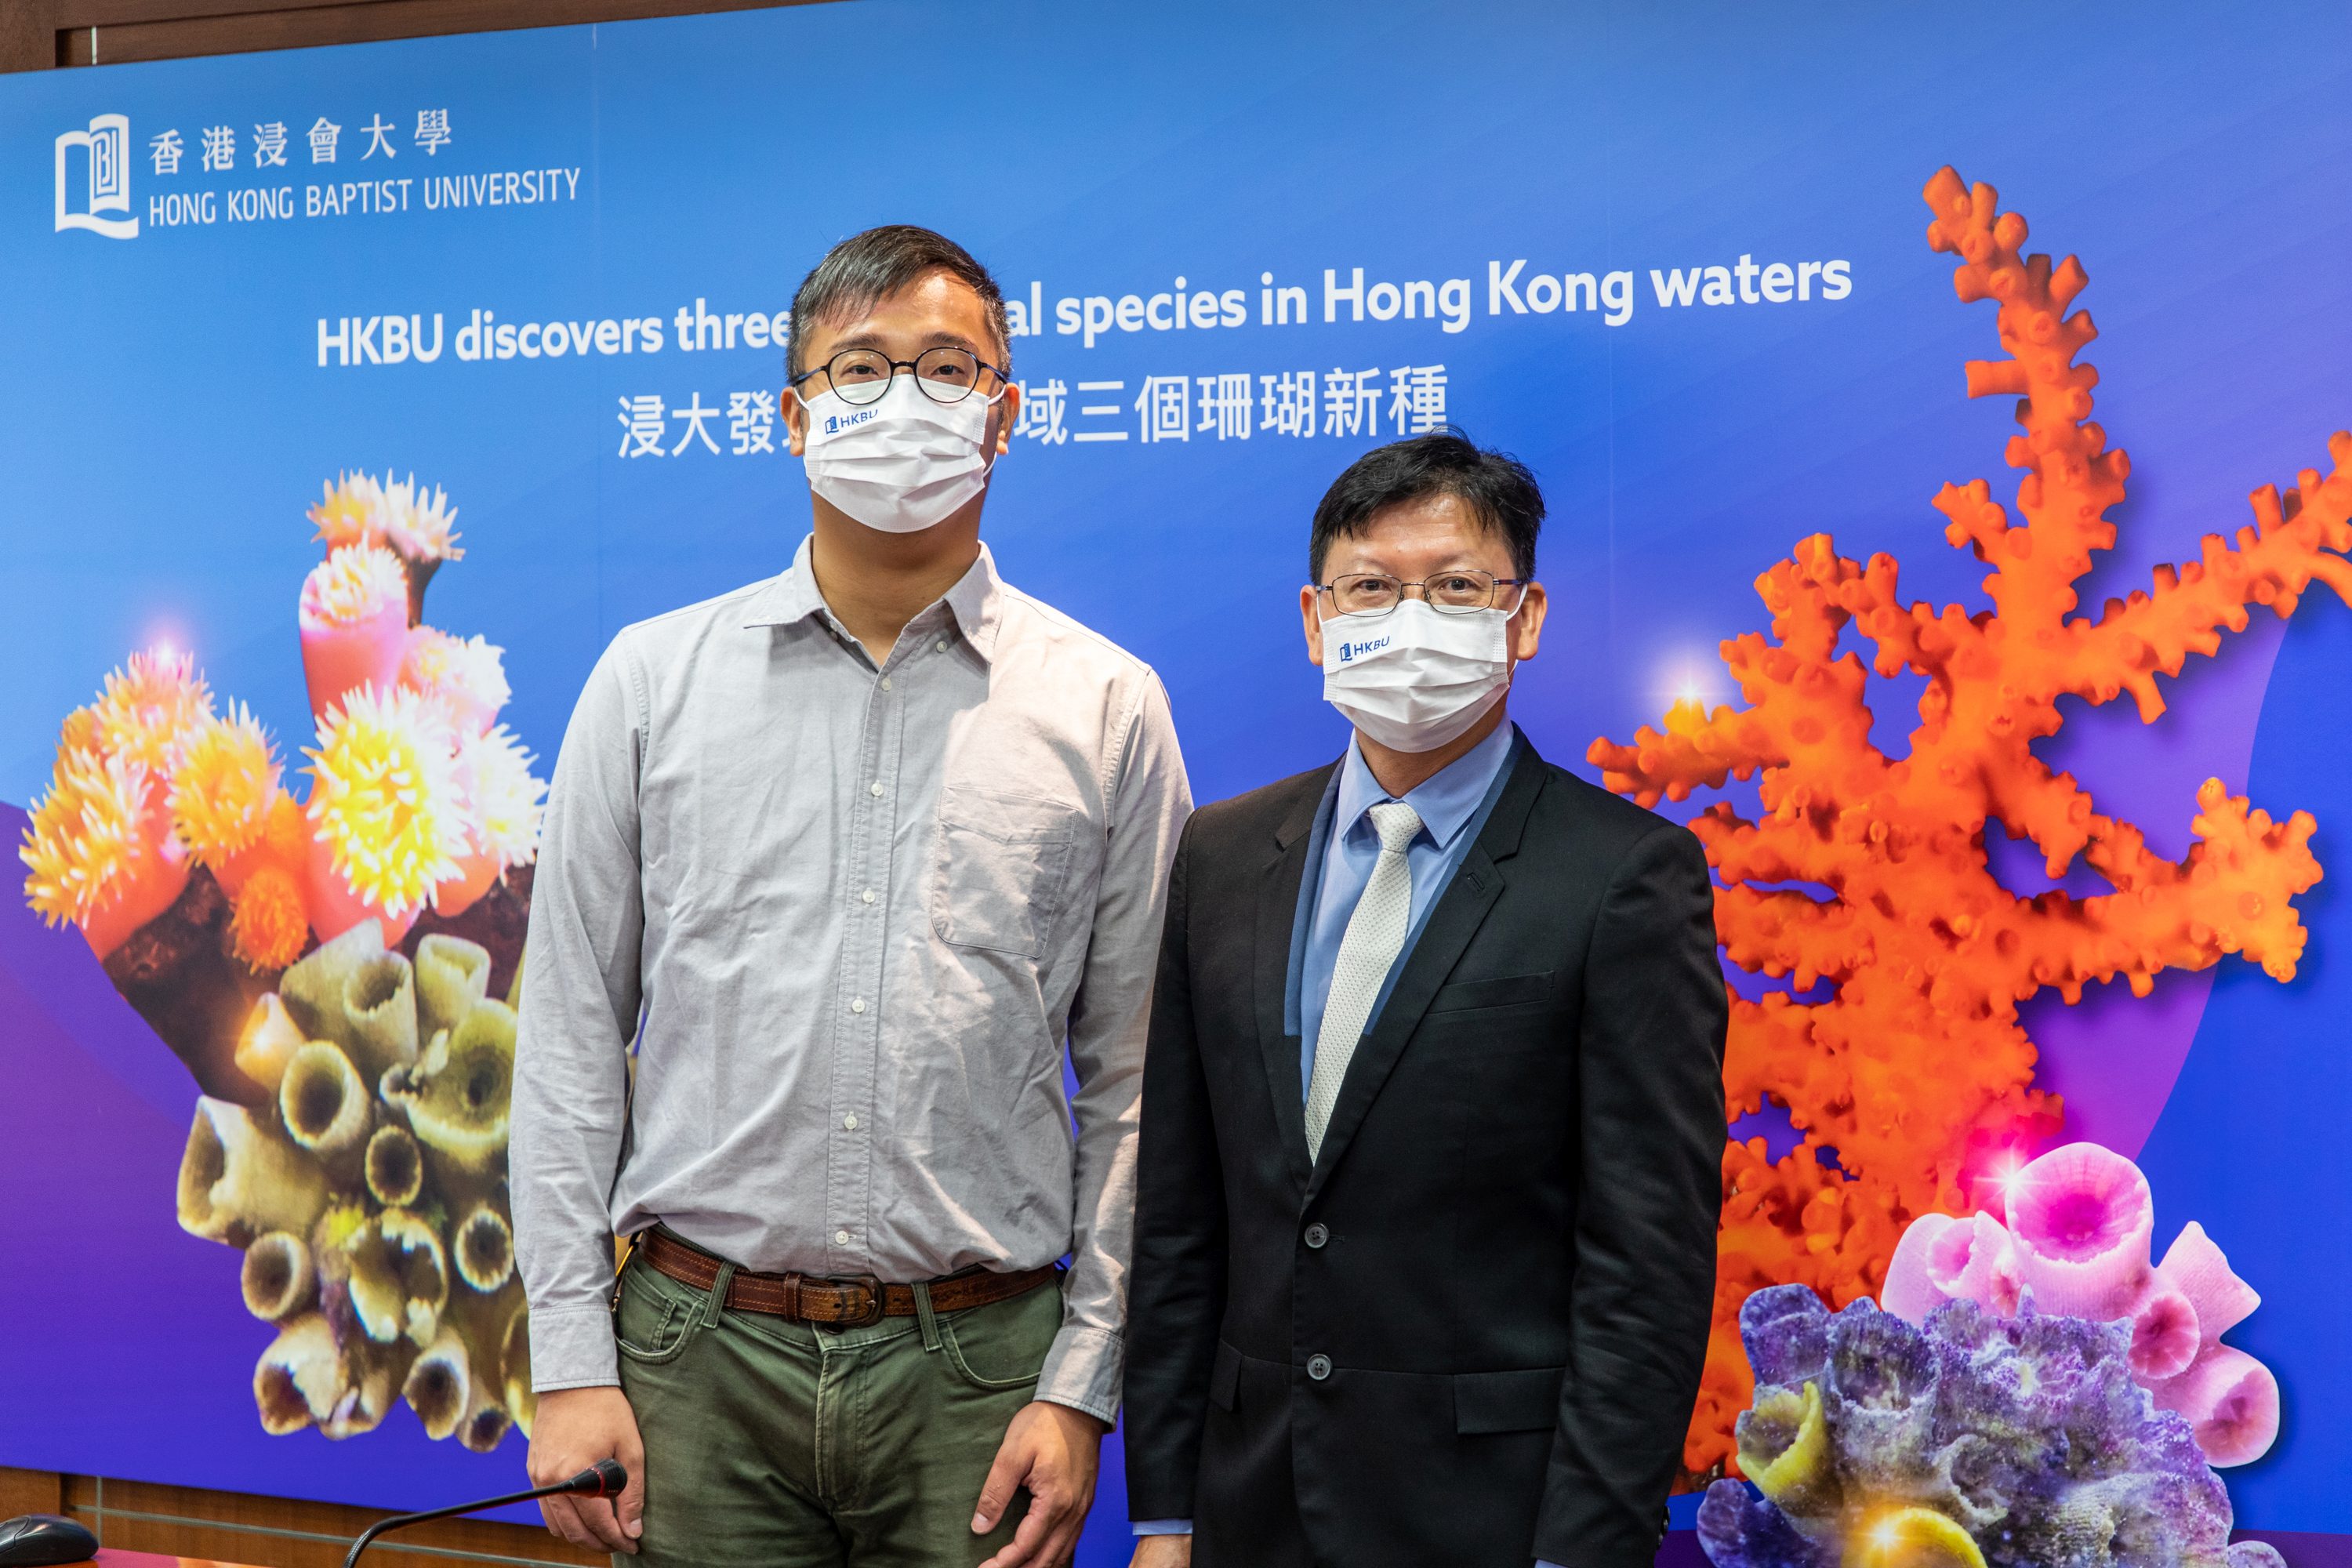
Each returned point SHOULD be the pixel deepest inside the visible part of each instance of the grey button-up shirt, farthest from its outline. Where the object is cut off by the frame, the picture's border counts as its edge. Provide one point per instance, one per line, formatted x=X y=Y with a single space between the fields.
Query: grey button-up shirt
x=847 y=916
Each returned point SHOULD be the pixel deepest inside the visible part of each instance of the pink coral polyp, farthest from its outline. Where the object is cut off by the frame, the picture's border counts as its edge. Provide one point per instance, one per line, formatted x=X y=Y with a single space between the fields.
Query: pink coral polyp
x=2164 y=1336
x=2083 y=1220
x=2231 y=1402
x=1973 y=1258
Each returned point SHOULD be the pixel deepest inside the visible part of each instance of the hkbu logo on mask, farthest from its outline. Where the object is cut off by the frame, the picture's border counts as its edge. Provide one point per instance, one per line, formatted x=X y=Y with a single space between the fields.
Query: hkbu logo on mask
x=1351 y=651
x=835 y=423
x=105 y=186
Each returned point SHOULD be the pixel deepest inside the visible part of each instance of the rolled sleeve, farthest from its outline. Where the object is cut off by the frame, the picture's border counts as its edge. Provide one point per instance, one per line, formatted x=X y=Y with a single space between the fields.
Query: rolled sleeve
x=1150 y=800
x=579 y=1011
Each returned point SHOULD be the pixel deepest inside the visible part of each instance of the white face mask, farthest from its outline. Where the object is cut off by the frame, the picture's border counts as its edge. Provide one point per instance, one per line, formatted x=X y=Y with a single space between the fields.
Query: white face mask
x=902 y=463
x=1413 y=680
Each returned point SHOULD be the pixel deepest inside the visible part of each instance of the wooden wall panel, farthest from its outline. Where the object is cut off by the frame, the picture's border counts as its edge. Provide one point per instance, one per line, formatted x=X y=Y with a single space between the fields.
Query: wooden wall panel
x=280 y=1532
x=39 y=34
x=29 y=1491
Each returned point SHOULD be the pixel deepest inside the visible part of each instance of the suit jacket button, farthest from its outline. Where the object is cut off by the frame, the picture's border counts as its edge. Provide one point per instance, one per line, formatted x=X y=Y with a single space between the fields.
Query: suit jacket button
x=1318 y=1367
x=1317 y=1235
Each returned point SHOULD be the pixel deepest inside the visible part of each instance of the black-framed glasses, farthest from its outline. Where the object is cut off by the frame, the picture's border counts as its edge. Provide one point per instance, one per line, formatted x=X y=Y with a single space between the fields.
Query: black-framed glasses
x=944 y=375
x=1462 y=593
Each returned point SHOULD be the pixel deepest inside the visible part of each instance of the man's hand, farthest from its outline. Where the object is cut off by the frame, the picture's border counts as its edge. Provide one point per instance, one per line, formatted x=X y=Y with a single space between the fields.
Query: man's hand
x=575 y=1428
x=1053 y=1450
x=1162 y=1551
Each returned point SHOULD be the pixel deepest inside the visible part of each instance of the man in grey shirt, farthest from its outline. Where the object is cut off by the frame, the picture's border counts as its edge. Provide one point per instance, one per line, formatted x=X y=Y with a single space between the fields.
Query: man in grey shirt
x=833 y=864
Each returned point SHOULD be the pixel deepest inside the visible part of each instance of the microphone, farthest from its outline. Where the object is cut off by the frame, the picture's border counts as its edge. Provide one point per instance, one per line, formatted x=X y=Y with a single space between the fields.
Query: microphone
x=605 y=1477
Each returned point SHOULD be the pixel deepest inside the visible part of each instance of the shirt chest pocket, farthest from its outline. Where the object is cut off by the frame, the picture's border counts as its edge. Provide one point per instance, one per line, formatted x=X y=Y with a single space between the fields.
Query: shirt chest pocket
x=1002 y=869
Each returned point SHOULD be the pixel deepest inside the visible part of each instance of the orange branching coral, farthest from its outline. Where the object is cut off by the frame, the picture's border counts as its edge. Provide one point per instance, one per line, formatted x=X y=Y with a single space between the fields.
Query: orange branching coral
x=1914 y=1070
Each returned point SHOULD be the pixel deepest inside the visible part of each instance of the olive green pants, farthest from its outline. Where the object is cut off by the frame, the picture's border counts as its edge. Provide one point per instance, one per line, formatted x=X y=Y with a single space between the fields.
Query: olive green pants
x=774 y=1442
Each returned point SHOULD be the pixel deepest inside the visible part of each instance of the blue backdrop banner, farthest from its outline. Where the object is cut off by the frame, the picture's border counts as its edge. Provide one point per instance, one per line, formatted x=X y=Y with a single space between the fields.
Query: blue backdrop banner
x=512 y=306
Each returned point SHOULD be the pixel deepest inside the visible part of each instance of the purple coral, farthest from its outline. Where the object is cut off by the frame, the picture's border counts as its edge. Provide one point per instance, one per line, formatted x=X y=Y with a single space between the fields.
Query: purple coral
x=1976 y=1441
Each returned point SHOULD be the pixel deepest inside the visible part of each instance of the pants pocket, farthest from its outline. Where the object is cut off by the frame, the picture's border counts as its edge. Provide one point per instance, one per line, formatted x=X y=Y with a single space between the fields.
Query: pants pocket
x=651 y=1324
x=1003 y=1345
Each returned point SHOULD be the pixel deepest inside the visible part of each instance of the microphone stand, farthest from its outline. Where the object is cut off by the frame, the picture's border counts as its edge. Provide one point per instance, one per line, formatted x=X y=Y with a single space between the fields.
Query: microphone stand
x=605 y=1478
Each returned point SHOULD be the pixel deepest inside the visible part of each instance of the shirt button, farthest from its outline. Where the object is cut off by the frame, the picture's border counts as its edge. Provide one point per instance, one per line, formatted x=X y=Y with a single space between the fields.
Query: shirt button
x=850 y=1121
x=857 y=1004
x=885 y=683
x=1317 y=1235
x=1318 y=1367
x=868 y=895
x=940 y=646
x=874 y=789
x=840 y=1238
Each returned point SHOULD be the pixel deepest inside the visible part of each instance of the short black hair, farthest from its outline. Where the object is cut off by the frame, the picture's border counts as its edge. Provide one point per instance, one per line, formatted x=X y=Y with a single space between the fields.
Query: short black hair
x=1495 y=486
x=875 y=265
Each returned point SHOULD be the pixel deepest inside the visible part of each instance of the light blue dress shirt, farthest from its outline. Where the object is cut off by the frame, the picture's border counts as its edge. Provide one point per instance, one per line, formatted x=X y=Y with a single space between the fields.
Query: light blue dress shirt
x=1453 y=805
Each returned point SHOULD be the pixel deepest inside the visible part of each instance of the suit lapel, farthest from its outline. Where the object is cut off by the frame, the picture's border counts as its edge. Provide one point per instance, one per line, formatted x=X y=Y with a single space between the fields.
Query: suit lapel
x=1461 y=910
x=1277 y=909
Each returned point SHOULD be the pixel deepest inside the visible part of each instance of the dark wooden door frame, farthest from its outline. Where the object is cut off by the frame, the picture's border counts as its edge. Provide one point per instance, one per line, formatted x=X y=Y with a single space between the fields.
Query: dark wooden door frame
x=41 y=34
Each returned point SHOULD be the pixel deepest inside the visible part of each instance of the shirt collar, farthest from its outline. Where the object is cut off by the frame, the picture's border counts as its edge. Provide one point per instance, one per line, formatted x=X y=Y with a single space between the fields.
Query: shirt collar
x=976 y=601
x=1445 y=802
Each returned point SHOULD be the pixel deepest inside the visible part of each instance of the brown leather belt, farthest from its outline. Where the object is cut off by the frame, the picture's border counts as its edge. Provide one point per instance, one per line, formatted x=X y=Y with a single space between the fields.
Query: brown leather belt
x=832 y=1303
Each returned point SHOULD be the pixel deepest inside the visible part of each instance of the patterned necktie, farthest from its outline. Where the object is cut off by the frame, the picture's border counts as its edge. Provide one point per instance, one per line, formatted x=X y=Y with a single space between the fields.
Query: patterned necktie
x=1367 y=953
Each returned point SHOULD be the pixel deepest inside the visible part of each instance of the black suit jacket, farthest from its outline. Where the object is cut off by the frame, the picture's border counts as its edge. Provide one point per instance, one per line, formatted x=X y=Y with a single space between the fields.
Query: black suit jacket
x=1502 y=1265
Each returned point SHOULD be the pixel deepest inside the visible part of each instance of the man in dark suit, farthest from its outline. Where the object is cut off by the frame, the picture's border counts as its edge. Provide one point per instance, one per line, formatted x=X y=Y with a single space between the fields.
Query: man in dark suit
x=1433 y=1108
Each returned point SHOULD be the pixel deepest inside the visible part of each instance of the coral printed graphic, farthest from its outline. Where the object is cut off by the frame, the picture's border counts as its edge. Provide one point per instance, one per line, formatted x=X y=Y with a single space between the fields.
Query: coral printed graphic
x=2081 y=1226
x=1972 y=1441
x=1914 y=1069
x=336 y=973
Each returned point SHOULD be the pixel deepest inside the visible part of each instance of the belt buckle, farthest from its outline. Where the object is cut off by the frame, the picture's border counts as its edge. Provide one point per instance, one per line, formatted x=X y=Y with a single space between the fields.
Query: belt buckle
x=874 y=1301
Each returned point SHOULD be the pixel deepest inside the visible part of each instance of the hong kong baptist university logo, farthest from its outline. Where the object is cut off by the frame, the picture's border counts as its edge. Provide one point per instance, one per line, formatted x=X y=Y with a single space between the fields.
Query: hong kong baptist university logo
x=105 y=185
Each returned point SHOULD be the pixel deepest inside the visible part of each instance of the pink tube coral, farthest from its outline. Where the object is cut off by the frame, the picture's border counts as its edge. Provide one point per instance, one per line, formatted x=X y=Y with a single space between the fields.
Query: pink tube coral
x=2082 y=1217
x=2164 y=1336
x=1909 y=1293
x=2195 y=1267
x=2077 y=1245
x=1976 y=1258
x=2232 y=1402
x=354 y=624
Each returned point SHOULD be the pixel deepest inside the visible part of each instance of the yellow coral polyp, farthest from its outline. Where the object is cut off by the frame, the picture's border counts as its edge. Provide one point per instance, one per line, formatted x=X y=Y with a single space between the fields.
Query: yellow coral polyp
x=1807 y=1455
x=348 y=514
x=222 y=790
x=502 y=797
x=1913 y=1537
x=360 y=510
x=469 y=671
x=1915 y=1069
x=353 y=585
x=418 y=525
x=150 y=707
x=86 y=841
x=384 y=798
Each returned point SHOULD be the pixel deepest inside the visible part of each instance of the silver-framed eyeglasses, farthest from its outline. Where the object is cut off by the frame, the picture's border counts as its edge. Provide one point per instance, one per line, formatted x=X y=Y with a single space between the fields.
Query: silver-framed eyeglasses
x=1462 y=593
x=944 y=374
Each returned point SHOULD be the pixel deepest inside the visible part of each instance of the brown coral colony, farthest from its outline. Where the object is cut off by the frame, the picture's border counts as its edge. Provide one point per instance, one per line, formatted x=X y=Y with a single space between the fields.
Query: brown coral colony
x=376 y=1237
x=1914 y=1070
